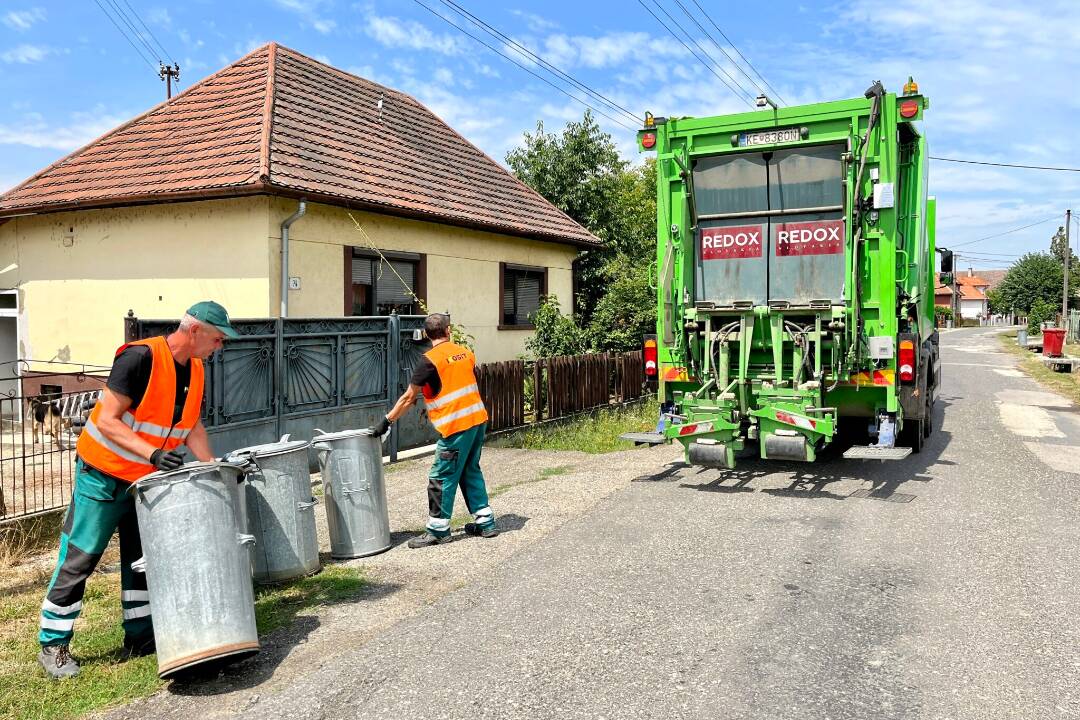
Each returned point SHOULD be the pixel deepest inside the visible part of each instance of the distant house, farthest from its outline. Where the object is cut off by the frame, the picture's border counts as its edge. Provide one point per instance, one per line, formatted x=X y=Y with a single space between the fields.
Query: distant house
x=187 y=202
x=973 y=301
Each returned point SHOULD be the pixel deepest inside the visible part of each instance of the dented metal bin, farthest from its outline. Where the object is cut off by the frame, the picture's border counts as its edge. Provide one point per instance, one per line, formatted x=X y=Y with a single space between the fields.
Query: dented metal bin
x=354 y=492
x=198 y=570
x=280 y=509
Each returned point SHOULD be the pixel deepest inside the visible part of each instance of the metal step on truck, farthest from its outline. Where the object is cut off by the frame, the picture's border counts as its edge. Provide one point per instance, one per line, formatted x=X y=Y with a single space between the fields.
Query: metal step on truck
x=795 y=280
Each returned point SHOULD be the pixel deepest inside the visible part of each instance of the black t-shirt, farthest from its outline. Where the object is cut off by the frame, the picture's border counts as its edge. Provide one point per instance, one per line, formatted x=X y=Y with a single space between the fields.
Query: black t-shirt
x=130 y=377
x=426 y=374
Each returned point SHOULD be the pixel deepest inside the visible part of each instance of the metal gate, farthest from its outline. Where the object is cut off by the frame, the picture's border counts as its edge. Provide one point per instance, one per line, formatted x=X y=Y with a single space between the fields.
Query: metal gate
x=296 y=375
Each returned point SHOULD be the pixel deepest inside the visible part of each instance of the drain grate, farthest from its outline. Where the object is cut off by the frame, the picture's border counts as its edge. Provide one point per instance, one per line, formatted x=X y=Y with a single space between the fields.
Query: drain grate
x=883 y=495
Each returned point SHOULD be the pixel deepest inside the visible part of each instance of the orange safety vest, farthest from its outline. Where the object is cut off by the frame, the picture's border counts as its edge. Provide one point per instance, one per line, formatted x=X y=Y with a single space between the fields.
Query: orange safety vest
x=152 y=420
x=458 y=406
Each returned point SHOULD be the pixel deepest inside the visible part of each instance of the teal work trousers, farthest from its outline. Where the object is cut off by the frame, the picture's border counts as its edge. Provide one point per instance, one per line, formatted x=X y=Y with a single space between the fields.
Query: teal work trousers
x=457 y=462
x=100 y=505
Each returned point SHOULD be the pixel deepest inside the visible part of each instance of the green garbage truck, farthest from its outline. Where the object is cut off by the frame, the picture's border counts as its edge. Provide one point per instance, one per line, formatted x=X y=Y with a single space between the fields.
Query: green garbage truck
x=795 y=280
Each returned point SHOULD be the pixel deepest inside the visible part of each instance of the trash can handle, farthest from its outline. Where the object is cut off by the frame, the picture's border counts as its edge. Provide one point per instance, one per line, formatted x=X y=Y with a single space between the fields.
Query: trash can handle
x=323 y=451
x=346 y=487
x=244 y=539
x=285 y=437
x=139 y=565
x=307 y=505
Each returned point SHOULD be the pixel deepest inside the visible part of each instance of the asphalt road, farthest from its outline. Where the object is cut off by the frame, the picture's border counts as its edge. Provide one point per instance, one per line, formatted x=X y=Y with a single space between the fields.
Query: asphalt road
x=771 y=591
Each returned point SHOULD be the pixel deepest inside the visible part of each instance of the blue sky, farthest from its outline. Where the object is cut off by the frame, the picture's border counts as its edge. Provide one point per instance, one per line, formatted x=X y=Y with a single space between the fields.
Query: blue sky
x=1000 y=75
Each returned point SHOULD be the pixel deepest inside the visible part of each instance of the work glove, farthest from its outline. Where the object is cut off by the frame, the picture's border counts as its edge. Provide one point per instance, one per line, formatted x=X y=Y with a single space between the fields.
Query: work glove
x=381 y=428
x=166 y=459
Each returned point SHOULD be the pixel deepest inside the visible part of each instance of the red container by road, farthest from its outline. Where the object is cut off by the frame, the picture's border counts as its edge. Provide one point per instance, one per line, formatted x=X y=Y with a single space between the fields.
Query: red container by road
x=1053 y=341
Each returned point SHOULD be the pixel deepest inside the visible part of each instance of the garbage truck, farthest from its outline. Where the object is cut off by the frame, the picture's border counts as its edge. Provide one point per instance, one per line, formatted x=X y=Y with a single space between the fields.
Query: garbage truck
x=795 y=280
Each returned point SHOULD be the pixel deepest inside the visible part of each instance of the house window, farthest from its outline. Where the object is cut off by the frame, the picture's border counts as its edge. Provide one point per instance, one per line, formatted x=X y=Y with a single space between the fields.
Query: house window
x=521 y=288
x=385 y=284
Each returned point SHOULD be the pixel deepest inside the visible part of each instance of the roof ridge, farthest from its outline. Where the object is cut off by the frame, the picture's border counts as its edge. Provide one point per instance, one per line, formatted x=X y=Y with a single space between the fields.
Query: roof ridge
x=268 y=115
x=126 y=125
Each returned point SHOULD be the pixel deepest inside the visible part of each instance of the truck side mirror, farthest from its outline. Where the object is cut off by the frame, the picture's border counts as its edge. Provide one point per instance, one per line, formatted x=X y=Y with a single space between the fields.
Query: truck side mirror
x=946 y=261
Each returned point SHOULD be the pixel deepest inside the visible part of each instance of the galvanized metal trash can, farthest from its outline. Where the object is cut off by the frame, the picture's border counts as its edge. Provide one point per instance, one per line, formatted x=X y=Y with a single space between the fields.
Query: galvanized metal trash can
x=198 y=571
x=1021 y=337
x=280 y=509
x=354 y=492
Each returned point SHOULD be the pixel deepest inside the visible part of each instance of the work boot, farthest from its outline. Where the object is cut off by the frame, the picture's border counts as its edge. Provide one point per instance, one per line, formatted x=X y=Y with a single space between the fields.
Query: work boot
x=488 y=531
x=428 y=539
x=57 y=661
x=138 y=647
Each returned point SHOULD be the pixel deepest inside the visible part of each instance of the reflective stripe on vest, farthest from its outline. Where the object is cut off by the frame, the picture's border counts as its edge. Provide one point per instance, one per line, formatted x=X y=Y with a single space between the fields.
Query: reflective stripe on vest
x=151 y=420
x=458 y=406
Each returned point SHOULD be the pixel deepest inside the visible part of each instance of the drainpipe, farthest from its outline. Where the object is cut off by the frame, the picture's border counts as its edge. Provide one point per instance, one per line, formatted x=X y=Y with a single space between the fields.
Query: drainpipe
x=285 y=256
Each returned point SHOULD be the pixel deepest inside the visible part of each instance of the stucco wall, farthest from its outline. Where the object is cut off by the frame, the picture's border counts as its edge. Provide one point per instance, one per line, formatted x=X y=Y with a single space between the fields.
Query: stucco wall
x=462 y=267
x=78 y=273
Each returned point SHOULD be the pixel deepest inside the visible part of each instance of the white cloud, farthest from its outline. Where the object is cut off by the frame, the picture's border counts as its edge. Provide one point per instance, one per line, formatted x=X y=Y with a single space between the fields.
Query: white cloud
x=26 y=54
x=534 y=22
x=444 y=76
x=22 y=20
x=32 y=131
x=312 y=13
x=159 y=16
x=396 y=33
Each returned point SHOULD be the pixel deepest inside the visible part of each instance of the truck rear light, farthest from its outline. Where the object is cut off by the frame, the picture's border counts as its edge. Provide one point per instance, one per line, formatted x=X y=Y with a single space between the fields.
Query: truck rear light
x=909 y=109
x=905 y=361
x=649 y=356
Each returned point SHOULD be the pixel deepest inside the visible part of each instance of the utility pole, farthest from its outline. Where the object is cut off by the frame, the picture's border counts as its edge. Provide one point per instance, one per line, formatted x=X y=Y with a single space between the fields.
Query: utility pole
x=167 y=74
x=1065 y=289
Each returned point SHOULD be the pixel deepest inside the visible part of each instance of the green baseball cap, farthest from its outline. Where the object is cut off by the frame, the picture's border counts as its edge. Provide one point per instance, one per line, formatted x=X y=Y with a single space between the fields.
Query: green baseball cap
x=213 y=314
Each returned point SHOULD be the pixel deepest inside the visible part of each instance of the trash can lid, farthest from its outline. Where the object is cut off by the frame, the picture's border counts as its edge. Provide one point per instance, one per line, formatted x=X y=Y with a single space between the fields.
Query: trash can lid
x=267 y=449
x=190 y=469
x=341 y=434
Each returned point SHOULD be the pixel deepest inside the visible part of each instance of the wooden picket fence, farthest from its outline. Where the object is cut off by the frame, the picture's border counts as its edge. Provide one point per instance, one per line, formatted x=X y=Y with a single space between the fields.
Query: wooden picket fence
x=518 y=393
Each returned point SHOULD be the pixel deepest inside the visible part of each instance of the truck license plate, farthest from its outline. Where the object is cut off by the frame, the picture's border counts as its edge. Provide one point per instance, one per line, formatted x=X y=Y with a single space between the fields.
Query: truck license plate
x=769 y=137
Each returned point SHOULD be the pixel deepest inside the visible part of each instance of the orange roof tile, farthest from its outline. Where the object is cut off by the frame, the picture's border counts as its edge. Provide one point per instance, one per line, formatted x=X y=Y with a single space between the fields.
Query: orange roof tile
x=279 y=122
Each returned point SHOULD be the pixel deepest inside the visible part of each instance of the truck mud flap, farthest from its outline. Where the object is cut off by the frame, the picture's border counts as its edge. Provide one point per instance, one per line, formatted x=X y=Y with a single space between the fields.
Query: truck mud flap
x=872 y=452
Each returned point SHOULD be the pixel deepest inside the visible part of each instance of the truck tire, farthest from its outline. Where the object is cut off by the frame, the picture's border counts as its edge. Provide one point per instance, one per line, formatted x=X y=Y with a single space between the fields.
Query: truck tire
x=913 y=434
x=928 y=421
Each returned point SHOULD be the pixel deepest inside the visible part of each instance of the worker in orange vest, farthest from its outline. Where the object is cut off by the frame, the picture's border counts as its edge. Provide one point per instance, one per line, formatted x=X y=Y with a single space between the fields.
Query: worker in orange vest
x=151 y=404
x=446 y=379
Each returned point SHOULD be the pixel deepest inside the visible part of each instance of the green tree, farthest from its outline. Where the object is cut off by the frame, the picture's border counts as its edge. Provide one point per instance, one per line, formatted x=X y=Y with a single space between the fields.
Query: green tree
x=1058 y=244
x=1034 y=277
x=580 y=172
x=1041 y=311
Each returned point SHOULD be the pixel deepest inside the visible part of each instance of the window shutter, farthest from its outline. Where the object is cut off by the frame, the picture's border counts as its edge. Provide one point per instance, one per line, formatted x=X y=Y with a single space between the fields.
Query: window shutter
x=389 y=289
x=528 y=296
x=361 y=271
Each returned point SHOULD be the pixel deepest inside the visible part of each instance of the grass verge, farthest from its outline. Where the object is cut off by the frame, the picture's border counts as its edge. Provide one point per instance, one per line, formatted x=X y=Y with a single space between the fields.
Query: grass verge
x=594 y=433
x=105 y=679
x=1067 y=384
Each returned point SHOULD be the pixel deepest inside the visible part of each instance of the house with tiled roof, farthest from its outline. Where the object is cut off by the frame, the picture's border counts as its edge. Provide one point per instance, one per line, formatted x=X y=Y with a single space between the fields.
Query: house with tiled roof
x=190 y=201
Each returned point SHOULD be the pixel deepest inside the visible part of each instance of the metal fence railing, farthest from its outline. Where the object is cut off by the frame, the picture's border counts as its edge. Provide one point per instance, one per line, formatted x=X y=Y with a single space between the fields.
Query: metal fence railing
x=1072 y=326
x=37 y=451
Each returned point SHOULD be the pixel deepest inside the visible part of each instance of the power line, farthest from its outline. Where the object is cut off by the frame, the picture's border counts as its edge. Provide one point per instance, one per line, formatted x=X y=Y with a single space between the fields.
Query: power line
x=1009 y=165
x=138 y=35
x=748 y=63
x=698 y=57
x=151 y=32
x=718 y=47
x=536 y=75
x=498 y=34
x=1007 y=232
x=121 y=31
